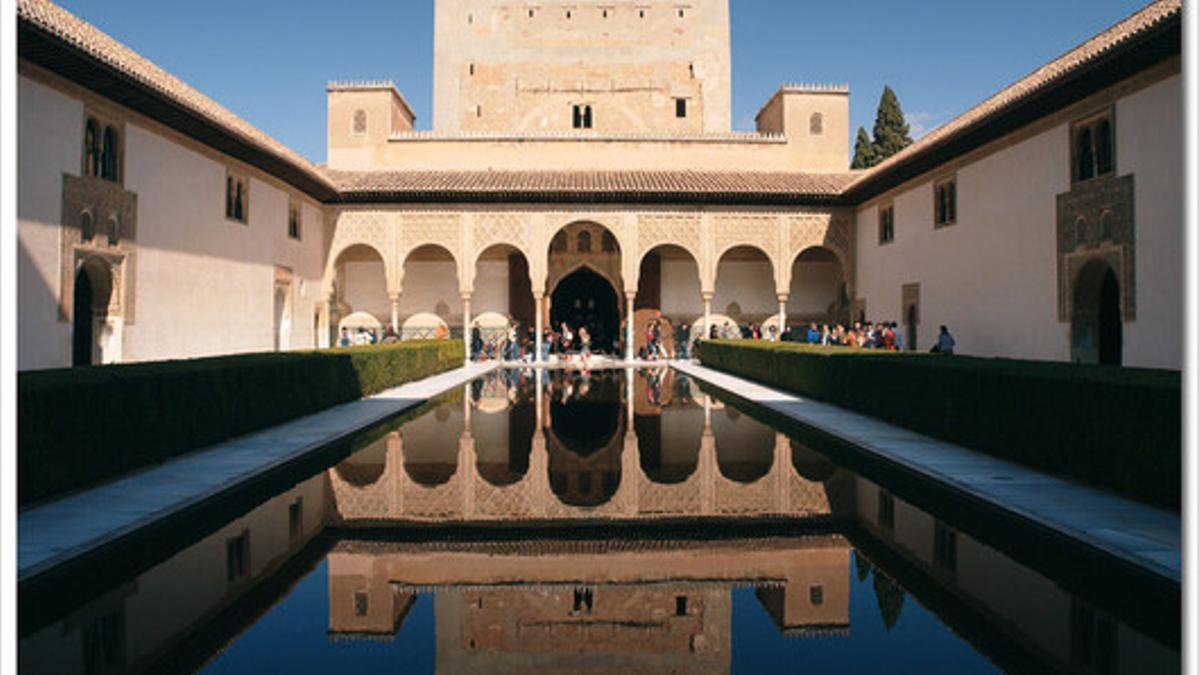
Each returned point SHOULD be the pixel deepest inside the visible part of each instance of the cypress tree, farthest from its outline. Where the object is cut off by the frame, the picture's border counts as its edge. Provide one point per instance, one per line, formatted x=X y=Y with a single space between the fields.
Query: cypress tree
x=864 y=151
x=891 y=131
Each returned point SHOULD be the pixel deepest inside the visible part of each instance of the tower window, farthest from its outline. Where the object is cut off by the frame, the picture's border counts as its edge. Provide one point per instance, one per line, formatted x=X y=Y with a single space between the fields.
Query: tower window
x=471 y=69
x=681 y=107
x=581 y=116
x=641 y=13
x=816 y=595
x=681 y=13
x=479 y=111
x=816 y=124
x=568 y=13
x=360 y=122
x=681 y=605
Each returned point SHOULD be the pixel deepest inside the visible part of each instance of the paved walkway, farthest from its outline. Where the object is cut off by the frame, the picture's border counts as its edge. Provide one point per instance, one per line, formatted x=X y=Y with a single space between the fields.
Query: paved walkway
x=56 y=532
x=1141 y=534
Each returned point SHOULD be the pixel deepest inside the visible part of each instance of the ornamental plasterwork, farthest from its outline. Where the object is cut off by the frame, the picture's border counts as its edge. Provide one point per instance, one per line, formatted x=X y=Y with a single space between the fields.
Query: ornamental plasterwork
x=113 y=214
x=440 y=229
x=502 y=228
x=683 y=230
x=373 y=228
x=760 y=231
x=1095 y=221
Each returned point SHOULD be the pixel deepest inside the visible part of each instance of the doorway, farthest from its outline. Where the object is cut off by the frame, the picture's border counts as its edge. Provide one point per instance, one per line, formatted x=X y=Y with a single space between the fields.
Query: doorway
x=584 y=298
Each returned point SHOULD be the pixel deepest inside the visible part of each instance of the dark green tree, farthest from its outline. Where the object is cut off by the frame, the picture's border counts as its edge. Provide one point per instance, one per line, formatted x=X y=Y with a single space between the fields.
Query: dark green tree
x=891 y=131
x=890 y=598
x=864 y=151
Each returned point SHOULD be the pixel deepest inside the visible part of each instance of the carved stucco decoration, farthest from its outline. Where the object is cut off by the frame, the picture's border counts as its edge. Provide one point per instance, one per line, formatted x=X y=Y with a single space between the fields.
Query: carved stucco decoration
x=113 y=213
x=682 y=230
x=1095 y=221
x=371 y=228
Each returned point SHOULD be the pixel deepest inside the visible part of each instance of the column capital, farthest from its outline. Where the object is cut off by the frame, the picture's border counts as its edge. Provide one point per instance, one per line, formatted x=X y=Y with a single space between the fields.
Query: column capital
x=782 y=297
x=465 y=295
x=707 y=296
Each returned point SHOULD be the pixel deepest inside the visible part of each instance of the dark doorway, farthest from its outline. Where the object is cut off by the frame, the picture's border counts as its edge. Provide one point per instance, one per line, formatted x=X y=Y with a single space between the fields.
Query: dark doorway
x=910 y=328
x=1110 y=320
x=1096 y=327
x=585 y=298
x=82 y=332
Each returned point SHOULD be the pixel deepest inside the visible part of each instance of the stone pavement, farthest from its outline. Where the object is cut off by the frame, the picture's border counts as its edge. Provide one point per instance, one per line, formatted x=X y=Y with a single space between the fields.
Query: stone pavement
x=1143 y=535
x=53 y=533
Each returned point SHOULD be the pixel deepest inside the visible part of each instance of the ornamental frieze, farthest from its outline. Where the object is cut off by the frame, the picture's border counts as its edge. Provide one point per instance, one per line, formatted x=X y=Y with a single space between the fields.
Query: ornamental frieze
x=1095 y=221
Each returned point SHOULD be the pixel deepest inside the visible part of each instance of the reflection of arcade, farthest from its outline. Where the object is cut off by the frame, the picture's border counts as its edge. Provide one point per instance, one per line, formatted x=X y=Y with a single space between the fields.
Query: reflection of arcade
x=582 y=446
x=565 y=606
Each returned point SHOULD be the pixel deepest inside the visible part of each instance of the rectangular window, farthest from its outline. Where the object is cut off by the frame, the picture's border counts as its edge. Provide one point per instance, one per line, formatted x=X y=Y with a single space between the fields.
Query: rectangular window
x=294 y=220
x=237 y=557
x=681 y=605
x=1093 y=639
x=887 y=224
x=237 y=198
x=362 y=603
x=296 y=518
x=104 y=643
x=886 y=517
x=1092 y=146
x=681 y=107
x=816 y=595
x=581 y=117
x=945 y=547
x=945 y=202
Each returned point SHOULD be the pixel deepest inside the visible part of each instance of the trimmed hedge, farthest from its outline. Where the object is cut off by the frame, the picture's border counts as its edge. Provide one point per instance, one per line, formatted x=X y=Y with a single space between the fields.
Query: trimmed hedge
x=77 y=426
x=1118 y=428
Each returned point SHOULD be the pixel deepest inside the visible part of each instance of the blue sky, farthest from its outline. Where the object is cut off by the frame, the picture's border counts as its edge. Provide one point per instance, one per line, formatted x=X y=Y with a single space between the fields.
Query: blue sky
x=268 y=60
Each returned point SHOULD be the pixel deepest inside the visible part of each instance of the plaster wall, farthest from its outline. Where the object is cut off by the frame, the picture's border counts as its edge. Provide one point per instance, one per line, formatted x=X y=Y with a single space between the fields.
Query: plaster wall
x=49 y=142
x=814 y=288
x=681 y=289
x=748 y=283
x=992 y=276
x=503 y=65
x=428 y=284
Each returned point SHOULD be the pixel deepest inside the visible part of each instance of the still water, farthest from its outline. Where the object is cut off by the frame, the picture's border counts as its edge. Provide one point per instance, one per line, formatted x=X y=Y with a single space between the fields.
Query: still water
x=617 y=521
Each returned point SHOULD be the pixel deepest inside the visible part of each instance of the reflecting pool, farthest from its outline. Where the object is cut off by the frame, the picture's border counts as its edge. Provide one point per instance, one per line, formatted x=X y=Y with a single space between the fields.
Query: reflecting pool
x=613 y=521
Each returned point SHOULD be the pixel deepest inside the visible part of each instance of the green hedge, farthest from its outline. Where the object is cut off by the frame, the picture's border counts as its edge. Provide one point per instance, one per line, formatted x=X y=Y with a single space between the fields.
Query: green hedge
x=78 y=426
x=1114 y=427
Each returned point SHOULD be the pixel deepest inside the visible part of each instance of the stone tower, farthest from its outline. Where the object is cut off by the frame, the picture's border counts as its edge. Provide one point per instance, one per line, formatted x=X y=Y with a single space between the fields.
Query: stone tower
x=589 y=66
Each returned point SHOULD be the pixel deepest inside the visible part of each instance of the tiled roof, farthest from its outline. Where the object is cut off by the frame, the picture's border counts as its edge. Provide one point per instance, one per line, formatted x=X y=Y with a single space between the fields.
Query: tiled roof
x=75 y=32
x=733 y=184
x=1054 y=72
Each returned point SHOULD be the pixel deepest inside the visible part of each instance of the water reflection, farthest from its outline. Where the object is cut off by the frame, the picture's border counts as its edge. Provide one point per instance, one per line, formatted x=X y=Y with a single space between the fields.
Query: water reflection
x=576 y=445
x=635 y=567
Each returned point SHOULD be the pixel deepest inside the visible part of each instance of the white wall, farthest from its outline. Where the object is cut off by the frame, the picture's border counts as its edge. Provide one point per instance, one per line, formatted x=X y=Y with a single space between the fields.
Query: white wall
x=1150 y=146
x=681 y=289
x=364 y=288
x=201 y=284
x=992 y=277
x=428 y=282
x=49 y=142
x=749 y=283
x=491 y=288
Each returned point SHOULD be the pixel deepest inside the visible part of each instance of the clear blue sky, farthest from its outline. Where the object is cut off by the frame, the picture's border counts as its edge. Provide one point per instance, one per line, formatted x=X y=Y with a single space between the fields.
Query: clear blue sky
x=268 y=60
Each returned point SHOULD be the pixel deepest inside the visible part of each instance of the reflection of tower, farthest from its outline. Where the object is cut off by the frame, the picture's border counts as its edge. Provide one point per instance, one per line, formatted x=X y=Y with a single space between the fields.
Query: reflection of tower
x=815 y=596
x=669 y=628
x=362 y=603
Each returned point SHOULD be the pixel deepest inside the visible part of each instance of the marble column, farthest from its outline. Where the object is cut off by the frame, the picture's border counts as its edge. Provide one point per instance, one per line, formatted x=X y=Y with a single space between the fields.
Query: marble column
x=707 y=297
x=395 y=301
x=783 y=298
x=629 y=298
x=538 y=322
x=466 y=298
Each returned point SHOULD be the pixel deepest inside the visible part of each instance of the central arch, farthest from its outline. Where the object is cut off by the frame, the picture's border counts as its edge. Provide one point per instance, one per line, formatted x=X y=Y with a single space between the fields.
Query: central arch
x=583 y=282
x=584 y=298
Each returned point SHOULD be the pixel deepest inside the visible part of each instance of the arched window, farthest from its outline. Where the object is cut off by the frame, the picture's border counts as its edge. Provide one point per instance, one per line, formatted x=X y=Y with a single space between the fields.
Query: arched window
x=108 y=155
x=1104 y=154
x=816 y=124
x=91 y=148
x=584 y=242
x=608 y=243
x=360 y=121
x=1083 y=144
x=114 y=231
x=228 y=196
x=87 y=227
x=559 y=243
x=587 y=117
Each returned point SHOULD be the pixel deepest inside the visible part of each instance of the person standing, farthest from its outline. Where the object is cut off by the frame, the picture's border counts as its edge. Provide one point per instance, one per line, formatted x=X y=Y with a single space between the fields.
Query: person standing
x=945 y=342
